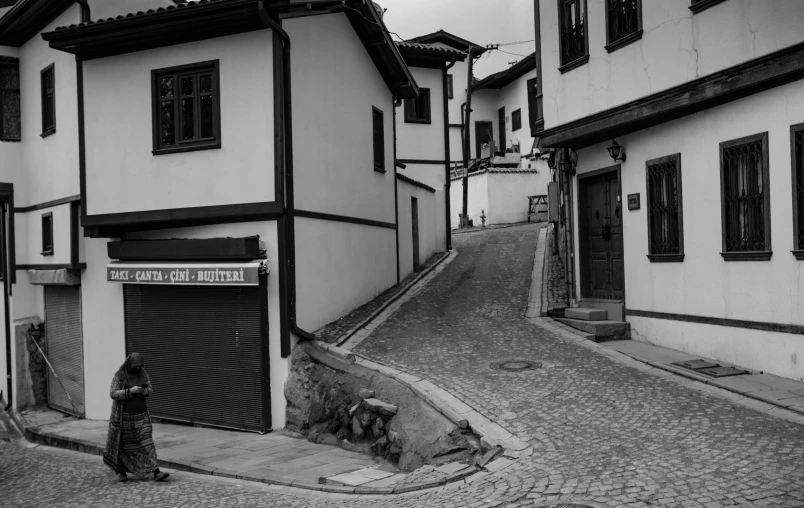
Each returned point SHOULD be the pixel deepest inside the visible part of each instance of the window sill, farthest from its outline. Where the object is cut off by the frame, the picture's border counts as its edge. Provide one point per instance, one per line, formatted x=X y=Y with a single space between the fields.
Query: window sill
x=47 y=253
x=514 y=130
x=624 y=41
x=379 y=169
x=799 y=254
x=573 y=64
x=666 y=258
x=10 y=141
x=537 y=126
x=48 y=132
x=705 y=4
x=417 y=120
x=747 y=256
x=191 y=148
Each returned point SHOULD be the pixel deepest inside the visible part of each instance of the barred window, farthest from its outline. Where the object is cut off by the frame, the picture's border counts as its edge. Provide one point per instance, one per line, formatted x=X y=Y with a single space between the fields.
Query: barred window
x=797 y=149
x=573 y=41
x=623 y=22
x=745 y=198
x=665 y=218
x=10 y=99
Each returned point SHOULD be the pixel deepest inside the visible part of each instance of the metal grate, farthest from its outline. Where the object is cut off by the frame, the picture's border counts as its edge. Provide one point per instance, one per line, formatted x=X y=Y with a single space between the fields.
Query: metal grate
x=65 y=348
x=573 y=32
x=799 y=186
x=663 y=213
x=623 y=18
x=744 y=197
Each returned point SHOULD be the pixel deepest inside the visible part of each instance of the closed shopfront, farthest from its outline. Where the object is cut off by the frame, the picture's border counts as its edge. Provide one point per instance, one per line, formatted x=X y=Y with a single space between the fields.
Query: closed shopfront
x=65 y=348
x=203 y=332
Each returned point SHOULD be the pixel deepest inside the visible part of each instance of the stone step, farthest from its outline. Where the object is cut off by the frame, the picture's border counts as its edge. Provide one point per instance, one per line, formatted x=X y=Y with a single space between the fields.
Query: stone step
x=586 y=314
x=599 y=330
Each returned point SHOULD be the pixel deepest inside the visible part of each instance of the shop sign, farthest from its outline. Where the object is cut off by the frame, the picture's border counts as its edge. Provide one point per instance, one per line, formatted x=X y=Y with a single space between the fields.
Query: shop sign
x=222 y=274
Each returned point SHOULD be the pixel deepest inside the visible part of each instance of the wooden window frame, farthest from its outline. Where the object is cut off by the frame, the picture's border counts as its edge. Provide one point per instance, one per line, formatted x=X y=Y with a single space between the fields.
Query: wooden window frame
x=535 y=106
x=702 y=5
x=678 y=256
x=766 y=254
x=625 y=40
x=208 y=143
x=450 y=89
x=582 y=58
x=378 y=148
x=47 y=242
x=798 y=222
x=516 y=120
x=12 y=63
x=48 y=102
x=410 y=107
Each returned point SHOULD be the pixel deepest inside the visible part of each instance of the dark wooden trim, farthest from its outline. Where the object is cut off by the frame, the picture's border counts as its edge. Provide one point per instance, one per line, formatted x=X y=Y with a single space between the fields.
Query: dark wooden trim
x=47 y=204
x=625 y=41
x=284 y=301
x=265 y=354
x=732 y=323
x=47 y=130
x=799 y=254
x=156 y=114
x=82 y=157
x=434 y=162
x=396 y=191
x=747 y=256
x=217 y=214
x=74 y=239
x=415 y=183
x=26 y=19
x=573 y=64
x=7 y=196
x=503 y=141
x=679 y=256
x=703 y=5
x=534 y=123
x=795 y=129
x=65 y=266
x=596 y=172
x=448 y=82
x=45 y=250
x=245 y=248
x=410 y=117
x=456 y=125
x=343 y=218
x=279 y=118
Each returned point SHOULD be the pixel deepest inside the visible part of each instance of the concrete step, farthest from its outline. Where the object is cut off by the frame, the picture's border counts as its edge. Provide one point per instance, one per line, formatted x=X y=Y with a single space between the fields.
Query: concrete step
x=599 y=330
x=556 y=309
x=586 y=314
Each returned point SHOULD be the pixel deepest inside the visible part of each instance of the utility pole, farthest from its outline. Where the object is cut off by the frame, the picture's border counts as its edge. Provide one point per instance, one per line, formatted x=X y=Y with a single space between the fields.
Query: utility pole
x=466 y=141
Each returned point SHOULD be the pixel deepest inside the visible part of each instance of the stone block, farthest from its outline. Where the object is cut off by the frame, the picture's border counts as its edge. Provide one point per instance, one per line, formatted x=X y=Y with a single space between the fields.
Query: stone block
x=380 y=407
x=586 y=314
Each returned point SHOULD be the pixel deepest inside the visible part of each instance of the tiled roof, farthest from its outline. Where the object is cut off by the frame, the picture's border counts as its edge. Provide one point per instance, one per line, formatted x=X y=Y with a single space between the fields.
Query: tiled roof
x=141 y=14
x=429 y=47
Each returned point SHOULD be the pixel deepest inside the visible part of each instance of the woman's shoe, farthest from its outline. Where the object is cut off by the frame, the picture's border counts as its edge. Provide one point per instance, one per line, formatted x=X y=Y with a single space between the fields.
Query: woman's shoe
x=122 y=477
x=160 y=476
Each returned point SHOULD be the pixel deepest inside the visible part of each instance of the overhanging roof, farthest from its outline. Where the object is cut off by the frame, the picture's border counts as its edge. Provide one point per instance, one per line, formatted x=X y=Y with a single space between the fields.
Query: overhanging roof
x=27 y=18
x=450 y=40
x=748 y=78
x=206 y=19
x=508 y=76
x=417 y=54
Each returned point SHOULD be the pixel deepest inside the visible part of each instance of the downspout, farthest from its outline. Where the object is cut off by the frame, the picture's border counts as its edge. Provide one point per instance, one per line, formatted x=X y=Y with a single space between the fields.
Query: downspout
x=288 y=210
x=9 y=367
x=447 y=158
x=395 y=103
x=85 y=12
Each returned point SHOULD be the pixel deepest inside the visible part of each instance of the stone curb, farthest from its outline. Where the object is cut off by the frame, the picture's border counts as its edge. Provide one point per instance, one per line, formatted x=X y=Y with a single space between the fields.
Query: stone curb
x=455 y=410
x=346 y=336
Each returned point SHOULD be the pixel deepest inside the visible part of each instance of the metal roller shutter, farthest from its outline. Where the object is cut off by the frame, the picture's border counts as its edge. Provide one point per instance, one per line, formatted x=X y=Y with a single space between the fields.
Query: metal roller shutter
x=65 y=348
x=202 y=352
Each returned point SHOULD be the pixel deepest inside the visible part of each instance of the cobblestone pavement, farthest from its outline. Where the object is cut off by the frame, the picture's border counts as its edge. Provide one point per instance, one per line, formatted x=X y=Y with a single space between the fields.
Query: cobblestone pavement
x=602 y=431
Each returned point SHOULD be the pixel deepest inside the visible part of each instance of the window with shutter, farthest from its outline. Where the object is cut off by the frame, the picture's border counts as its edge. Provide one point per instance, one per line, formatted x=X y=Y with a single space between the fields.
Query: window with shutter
x=48 y=76
x=418 y=110
x=797 y=154
x=379 y=140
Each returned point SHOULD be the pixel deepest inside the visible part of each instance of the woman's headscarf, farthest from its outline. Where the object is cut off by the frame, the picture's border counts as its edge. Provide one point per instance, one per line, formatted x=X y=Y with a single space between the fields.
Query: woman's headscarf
x=128 y=375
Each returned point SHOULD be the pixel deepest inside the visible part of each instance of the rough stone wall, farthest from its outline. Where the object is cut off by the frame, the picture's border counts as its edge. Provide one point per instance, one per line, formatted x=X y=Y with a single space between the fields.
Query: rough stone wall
x=31 y=388
x=37 y=367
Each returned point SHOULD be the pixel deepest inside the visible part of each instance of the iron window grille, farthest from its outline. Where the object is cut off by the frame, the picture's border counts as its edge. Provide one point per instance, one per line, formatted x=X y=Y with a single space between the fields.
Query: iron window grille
x=516 y=120
x=418 y=110
x=10 y=125
x=797 y=159
x=450 y=91
x=47 y=234
x=664 y=206
x=573 y=36
x=48 y=79
x=623 y=23
x=745 y=199
x=186 y=108
x=379 y=140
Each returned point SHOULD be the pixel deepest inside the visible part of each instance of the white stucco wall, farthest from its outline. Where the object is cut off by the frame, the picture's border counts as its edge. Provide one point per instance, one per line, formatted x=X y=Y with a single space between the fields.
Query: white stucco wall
x=33 y=236
x=677 y=46
x=478 y=196
x=704 y=284
x=423 y=140
x=335 y=85
x=123 y=175
x=508 y=194
x=515 y=96
x=104 y=322
x=431 y=235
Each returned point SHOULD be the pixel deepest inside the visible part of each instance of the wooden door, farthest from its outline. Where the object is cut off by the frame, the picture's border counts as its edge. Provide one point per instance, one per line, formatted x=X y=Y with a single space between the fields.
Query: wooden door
x=601 y=237
x=414 y=217
x=483 y=134
x=501 y=128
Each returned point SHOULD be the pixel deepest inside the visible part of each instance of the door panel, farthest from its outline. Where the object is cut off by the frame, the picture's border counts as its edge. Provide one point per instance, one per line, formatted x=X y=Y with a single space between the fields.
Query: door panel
x=501 y=126
x=414 y=211
x=483 y=134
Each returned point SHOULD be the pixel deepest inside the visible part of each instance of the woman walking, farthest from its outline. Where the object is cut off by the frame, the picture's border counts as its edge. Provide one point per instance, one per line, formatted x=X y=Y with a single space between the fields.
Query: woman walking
x=129 y=444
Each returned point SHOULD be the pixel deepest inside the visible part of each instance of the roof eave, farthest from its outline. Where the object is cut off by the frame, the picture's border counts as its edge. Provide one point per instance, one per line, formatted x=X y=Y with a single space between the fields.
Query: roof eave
x=28 y=18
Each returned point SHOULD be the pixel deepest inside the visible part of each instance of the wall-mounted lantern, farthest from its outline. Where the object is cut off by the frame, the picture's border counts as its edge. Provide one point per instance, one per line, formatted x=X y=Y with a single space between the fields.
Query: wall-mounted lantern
x=616 y=151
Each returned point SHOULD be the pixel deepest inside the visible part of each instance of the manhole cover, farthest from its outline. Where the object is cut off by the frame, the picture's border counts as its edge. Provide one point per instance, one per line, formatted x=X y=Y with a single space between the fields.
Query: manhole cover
x=696 y=364
x=723 y=372
x=515 y=365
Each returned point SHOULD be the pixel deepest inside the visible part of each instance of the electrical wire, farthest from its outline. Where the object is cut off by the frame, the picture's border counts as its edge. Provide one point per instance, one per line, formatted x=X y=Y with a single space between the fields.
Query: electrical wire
x=382 y=26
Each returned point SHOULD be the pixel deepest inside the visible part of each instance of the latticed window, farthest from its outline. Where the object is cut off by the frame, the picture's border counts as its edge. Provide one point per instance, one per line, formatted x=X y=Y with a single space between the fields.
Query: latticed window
x=10 y=128
x=573 y=30
x=745 y=198
x=797 y=141
x=665 y=220
x=623 y=22
x=186 y=108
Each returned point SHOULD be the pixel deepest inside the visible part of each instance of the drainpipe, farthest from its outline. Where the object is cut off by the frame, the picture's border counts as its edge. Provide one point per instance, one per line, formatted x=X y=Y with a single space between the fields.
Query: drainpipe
x=289 y=211
x=447 y=163
x=85 y=13
x=9 y=383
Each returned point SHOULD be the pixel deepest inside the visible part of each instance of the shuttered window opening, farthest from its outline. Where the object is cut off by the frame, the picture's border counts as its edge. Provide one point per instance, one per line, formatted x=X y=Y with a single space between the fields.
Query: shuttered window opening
x=202 y=352
x=65 y=348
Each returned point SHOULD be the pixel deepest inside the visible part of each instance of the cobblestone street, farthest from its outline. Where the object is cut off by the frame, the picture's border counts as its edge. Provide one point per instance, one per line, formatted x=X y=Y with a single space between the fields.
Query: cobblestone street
x=604 y=433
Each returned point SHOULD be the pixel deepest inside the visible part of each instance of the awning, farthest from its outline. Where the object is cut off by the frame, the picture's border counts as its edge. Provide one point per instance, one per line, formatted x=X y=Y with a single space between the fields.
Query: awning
x=188 y=274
